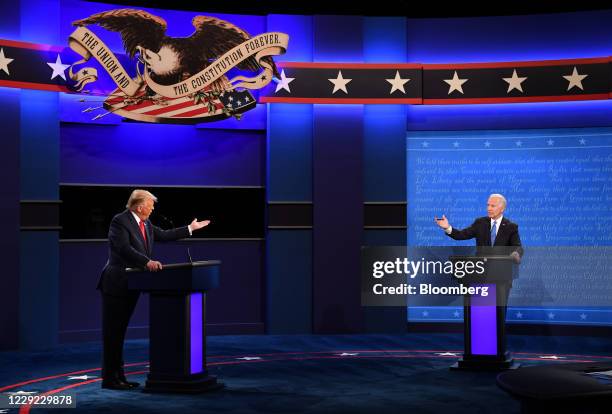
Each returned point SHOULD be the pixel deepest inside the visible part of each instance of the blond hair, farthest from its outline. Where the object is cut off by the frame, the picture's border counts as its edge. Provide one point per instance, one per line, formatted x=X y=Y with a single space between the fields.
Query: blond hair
x=138 y=197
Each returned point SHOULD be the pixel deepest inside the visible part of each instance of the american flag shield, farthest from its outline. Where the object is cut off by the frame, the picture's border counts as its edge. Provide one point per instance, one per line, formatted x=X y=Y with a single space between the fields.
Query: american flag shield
x=205 y=106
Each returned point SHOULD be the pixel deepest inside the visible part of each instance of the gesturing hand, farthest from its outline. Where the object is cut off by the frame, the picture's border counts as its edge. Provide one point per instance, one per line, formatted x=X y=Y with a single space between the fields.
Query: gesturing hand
x=197 y=225
x=443 y=222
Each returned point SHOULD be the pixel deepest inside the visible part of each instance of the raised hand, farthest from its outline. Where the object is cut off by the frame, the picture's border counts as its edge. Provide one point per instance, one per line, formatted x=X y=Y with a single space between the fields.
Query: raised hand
x=442 y=222
x=197 y=225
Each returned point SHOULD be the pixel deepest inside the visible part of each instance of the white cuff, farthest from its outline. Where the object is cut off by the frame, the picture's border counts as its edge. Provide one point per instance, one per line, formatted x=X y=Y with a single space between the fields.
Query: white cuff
x=448 y=230
x=189 y=228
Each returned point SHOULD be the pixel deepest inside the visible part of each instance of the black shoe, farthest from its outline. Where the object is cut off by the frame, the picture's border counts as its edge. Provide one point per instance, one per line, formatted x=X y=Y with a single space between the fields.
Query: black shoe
x=132 y=384
x=116 y=384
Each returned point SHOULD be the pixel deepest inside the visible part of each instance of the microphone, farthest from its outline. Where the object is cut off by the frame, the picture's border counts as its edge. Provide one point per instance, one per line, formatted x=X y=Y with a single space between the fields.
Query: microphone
x=189 y=254
x=166 y=219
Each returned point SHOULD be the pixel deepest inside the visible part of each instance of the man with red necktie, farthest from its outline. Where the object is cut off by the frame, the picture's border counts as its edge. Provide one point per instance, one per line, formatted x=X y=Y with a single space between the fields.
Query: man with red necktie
x=131 y=237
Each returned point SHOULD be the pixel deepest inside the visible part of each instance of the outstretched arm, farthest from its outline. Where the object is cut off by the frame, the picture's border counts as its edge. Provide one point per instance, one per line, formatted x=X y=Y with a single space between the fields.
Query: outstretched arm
x=467 y=233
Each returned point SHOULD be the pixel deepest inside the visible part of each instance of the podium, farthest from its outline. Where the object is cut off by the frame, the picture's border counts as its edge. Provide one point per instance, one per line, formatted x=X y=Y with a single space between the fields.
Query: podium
x=177 y=321
x=484 y=317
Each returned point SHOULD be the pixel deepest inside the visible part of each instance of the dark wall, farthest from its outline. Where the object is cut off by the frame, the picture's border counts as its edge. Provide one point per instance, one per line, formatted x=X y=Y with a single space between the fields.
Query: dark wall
x=204 y=173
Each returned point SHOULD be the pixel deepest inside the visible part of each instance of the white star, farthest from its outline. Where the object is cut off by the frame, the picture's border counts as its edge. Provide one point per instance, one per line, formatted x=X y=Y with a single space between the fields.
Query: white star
x=551 y=315
x=456 y=144
x=583 y=316
x=425 y=144
x=575 y=79
x=455 y=83
x=397 y=83
x=519 y=143
x=446 y=354
x=283 y=82
x=58 y=68
x=22 y=392
x=550 y=142
x=81 y=377
x=519 y=315
x=4 y=62
x=347 y=354
x=550 y=357
x=340 y=83
x=487 y=144
x=231 y=98
x=425 y=313
x=238 y=103
x=582 y=141
x=515 y=82
x=249 y=358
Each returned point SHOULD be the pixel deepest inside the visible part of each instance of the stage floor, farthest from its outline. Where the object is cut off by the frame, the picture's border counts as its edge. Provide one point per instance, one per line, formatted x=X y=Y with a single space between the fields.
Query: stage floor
x=299 y=374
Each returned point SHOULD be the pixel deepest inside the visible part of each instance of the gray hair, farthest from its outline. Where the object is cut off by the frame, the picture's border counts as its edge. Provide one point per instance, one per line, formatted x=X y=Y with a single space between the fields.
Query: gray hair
x=501 y=197
x=138 y=197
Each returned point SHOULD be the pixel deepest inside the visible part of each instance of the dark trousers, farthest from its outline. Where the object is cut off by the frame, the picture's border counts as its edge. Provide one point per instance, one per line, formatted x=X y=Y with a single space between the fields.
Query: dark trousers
x=116 y=313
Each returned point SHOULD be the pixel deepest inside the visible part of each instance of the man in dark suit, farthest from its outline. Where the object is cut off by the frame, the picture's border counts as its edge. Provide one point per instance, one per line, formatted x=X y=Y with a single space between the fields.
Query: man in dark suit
x=131 y=237
x=494 y=230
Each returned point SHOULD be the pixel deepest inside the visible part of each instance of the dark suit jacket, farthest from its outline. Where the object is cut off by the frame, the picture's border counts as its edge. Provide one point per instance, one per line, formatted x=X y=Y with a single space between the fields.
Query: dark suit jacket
x=127 y=249
x=507 y=234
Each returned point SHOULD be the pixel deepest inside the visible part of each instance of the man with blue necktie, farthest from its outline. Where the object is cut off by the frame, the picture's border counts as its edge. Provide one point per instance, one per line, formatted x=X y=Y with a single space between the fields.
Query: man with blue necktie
x=494 y=230
x=131 y=237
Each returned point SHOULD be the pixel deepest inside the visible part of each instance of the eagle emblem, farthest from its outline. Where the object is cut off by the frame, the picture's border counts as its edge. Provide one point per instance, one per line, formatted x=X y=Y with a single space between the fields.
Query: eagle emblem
x=178 y=79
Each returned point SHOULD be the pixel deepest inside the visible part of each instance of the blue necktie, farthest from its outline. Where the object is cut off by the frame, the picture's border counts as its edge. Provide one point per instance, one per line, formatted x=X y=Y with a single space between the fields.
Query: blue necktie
x=493 y=232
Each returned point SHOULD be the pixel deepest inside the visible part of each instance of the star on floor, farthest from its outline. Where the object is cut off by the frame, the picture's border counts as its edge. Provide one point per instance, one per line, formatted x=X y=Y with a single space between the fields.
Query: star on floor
x=446 y=354
x=487 y=144
x=550 y=357
x=519 y=315
x=4 y=62
x=575 y=79
x=340 y=83
x=515 y=82
x=519 y=143
x=348 y=354
x=583 y=316
x=582 y=141
x=249 y=358
x=425 y=144
x=550 y=142
x=455 y=84
x=81 y=377
x=58 y=68
x=283 y=82
x=22 y=393
x=456 y=144
x=397 y=83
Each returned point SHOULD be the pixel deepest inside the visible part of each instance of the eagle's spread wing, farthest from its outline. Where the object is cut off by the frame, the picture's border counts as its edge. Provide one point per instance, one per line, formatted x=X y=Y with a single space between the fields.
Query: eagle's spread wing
x=137 y=27
x=213 y=37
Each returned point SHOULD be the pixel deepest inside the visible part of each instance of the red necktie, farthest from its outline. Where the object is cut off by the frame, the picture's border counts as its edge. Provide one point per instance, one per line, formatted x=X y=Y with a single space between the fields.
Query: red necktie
x=144 y=234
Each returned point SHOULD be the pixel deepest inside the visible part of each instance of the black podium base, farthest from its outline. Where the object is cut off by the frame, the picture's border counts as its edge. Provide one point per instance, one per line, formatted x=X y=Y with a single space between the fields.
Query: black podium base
x=477 y=363
x=201 y=385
